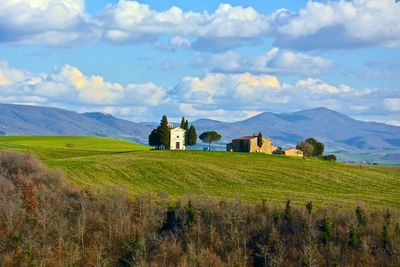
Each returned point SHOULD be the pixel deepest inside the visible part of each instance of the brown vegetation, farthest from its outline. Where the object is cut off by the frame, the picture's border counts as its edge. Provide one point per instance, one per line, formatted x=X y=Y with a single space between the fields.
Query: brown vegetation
x=44 y=221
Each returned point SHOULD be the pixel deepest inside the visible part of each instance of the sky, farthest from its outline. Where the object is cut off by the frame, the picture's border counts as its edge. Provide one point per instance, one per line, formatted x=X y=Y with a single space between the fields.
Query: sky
x=230 y=60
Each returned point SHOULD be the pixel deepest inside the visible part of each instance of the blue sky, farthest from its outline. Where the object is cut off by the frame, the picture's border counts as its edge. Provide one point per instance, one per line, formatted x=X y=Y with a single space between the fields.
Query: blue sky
x=221 y=60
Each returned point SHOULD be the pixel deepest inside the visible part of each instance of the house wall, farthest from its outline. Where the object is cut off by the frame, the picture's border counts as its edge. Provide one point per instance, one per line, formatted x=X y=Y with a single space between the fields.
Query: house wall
x=177 y=135
x=240 y=146
x=293 y=152
x=266 y=147
x=250 y=146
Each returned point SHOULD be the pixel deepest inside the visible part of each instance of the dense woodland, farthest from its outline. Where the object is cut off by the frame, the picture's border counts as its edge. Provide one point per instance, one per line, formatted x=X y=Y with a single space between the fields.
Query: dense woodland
x=45 y=221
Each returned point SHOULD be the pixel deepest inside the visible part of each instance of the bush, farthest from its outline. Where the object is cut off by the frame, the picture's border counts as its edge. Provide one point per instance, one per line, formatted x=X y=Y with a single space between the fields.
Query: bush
x=326 y=228
x=329 y=157
x=44 y=221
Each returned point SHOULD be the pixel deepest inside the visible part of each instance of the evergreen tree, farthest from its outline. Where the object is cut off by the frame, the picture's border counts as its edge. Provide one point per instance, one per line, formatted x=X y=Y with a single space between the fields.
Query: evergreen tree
x=164 y=132
x=182 y=123
x=154 y=138
x=191 y=136
x=260 y=140
x=186 y=125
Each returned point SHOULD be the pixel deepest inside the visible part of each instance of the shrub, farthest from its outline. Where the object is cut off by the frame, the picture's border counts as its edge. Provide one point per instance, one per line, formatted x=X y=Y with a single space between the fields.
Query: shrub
x=361 y=218
x=326 y=228
x=329 y=157
x=44 y=221
x=309 y=207
x=353 y=237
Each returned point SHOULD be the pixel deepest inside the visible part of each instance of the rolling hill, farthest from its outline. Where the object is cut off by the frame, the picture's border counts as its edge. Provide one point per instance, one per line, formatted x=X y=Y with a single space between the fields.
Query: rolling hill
x=337 y=131
x=105 y=163
x=33 y=120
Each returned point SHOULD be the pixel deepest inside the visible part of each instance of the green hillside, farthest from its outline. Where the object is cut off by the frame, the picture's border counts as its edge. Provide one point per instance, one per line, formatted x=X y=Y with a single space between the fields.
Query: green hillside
x=103 y=162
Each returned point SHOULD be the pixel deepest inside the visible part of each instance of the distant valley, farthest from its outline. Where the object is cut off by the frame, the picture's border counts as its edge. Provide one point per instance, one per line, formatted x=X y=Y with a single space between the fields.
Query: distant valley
x=338 y=132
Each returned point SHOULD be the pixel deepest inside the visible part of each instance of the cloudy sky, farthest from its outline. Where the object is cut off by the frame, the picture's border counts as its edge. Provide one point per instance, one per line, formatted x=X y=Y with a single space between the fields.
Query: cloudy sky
x=223 y=60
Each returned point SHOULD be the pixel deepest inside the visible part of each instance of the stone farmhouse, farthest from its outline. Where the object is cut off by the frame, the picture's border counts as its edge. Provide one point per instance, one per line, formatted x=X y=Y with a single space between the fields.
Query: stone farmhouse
x=249 y=144
x=177 y=138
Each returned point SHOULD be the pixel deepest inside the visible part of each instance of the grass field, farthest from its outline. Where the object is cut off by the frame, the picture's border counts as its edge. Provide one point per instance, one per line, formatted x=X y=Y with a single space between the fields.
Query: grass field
x=104 y=162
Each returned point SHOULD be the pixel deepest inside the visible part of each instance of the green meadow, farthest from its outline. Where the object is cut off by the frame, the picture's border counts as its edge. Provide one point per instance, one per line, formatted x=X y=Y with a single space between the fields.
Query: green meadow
x=105 y=163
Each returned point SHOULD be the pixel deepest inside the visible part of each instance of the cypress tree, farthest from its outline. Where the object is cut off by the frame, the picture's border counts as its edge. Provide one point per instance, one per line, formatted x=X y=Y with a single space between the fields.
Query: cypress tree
x=154 y=138
x=186 y=125
x=191 y=136
x=183 y=123
x=260 y=140
x=164 y=132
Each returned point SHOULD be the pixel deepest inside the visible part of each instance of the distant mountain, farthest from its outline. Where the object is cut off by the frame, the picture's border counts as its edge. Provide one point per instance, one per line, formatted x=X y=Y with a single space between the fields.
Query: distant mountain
x=33 y=120
x=336 y=130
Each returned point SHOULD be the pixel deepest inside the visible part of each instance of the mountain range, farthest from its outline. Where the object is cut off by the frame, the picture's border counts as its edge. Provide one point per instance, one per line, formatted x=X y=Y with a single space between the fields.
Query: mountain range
x=337 y=131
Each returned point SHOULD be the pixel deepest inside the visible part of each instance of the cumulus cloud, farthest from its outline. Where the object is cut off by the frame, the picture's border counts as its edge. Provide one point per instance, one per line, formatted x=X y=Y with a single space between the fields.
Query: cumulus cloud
x=275 y=61
x=70 y=87
x=131 y=21
x=50 y=22
x=342 y=24
x=227 y=90
x=318 y=86
x=226 y=96
x=329 y=25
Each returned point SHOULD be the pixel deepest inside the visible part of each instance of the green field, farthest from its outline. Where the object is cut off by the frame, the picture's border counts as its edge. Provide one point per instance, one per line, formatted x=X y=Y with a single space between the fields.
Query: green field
x=105 y=163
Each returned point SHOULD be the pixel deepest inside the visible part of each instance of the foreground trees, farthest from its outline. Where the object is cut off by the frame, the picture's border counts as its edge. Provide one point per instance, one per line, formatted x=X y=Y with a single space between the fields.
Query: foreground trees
x=44 y=221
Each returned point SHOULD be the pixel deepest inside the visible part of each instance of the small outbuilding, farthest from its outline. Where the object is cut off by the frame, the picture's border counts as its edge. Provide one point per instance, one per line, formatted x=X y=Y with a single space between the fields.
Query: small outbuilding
x=293 y=152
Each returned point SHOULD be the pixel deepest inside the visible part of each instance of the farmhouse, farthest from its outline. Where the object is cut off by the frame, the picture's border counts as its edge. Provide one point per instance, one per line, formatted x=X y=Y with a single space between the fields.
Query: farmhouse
x=249 y=144
x=293 y=152
x=177 y=138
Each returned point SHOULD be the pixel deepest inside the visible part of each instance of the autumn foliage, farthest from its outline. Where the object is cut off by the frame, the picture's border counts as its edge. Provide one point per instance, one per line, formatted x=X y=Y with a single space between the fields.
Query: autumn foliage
x=45 y=221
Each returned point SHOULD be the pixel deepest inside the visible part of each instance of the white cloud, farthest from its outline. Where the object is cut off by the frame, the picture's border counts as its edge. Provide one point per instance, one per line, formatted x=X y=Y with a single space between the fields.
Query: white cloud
x=392 y=104
x=216 y=95
x=275 y=61
x=226 y=94
x=9 y=75
x=342 y=24
x=227 y=89
x=50 y=22
x=330 y=25
x=131 y=21
x=318 y=86
x=180 y=41
x=71 y=87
